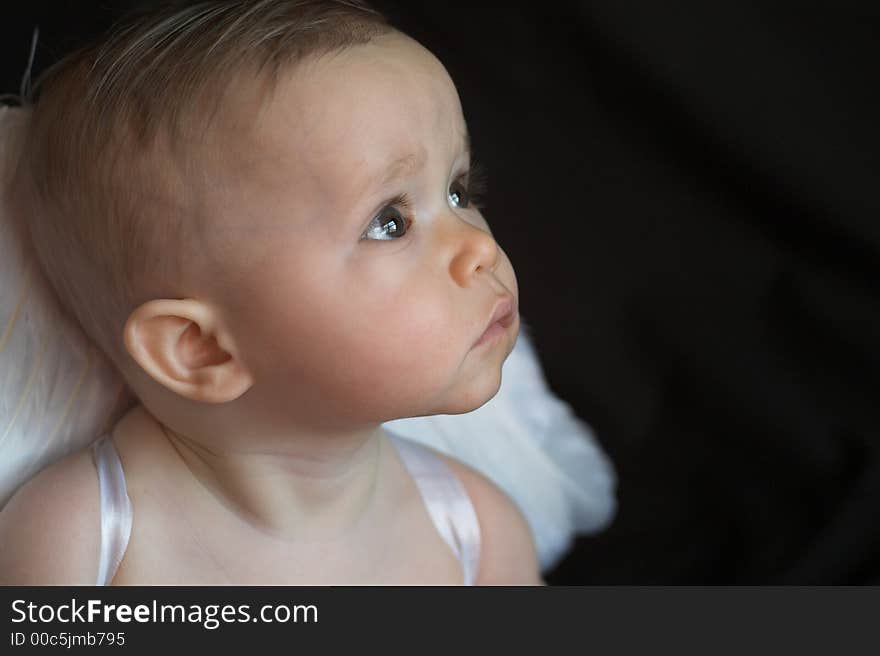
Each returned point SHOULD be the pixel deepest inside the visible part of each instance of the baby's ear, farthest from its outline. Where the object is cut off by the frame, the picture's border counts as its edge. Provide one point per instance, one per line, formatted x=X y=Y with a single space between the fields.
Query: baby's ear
x=180 y=344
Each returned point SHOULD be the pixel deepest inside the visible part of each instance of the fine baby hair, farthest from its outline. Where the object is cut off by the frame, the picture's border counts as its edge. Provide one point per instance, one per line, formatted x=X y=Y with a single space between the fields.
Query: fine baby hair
x=98 y=219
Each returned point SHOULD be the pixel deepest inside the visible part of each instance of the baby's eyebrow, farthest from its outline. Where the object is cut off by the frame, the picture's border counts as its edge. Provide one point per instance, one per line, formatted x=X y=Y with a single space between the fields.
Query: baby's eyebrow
x=399 y=167
x=412 y=162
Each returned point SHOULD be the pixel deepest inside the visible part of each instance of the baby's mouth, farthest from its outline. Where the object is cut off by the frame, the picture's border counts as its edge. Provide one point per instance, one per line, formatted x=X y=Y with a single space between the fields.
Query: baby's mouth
x=502 y=318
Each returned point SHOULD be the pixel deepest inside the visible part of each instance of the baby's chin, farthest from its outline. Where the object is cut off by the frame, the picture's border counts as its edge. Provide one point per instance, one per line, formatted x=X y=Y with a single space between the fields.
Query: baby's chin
x=484 y=388
x=476 y=396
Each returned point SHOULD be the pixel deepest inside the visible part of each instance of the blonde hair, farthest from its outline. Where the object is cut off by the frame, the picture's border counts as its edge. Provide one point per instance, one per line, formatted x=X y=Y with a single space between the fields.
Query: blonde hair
x=103 y=201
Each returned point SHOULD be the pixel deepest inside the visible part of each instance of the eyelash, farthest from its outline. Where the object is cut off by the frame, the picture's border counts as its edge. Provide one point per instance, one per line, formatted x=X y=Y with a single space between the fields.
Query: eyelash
x=473 y=181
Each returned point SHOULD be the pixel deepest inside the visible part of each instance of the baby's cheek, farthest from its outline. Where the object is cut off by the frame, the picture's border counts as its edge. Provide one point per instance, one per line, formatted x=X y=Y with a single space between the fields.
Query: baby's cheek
x=408 y=353
x=482 y=224
x=411 y=336
x=506 y=272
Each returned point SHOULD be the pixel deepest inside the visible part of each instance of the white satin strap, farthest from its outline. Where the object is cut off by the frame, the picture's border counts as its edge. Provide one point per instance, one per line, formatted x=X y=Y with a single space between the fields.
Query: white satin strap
x=115 y=509
x=447 y=501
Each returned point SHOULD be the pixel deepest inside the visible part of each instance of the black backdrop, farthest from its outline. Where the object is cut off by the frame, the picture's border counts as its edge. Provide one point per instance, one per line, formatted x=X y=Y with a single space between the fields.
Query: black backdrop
x=689 y=194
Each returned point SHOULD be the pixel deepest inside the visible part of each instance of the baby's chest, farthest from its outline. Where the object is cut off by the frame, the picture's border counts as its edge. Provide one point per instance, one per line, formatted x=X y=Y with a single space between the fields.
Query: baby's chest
x=408 y=551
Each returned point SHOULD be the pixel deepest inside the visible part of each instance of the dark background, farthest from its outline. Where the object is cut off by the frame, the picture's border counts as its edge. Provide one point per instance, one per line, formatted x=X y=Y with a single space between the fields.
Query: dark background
x=689 y=194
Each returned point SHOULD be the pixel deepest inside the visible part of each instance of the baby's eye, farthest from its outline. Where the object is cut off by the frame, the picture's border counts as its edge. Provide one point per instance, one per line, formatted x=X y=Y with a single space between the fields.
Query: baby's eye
x=389 y=224
x=458 y=195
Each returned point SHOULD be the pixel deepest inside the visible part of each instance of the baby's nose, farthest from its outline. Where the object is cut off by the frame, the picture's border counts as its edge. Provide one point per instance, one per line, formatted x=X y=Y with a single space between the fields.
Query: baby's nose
x=474 y=251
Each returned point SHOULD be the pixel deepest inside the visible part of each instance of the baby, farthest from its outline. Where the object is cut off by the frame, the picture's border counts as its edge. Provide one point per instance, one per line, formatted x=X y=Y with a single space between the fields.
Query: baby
x=263 y=213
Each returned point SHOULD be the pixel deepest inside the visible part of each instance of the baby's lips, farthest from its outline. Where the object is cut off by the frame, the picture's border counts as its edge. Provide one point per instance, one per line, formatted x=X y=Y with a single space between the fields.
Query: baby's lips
x=503 y=313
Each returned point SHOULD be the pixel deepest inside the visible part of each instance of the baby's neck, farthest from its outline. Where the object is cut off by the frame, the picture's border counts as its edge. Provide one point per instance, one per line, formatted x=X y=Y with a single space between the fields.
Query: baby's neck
x=306 y=490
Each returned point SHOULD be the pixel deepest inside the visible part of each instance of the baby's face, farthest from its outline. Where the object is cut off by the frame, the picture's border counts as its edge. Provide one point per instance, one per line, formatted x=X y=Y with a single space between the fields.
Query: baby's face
x=362 y=276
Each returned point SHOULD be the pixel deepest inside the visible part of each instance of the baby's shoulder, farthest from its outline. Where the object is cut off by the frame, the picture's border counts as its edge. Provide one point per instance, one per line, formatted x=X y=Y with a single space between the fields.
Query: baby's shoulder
x=507 y=549
x=50 y=529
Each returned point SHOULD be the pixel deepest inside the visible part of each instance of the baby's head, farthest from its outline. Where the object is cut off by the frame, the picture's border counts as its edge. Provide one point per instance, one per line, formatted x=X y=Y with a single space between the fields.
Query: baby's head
x=262 y=210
